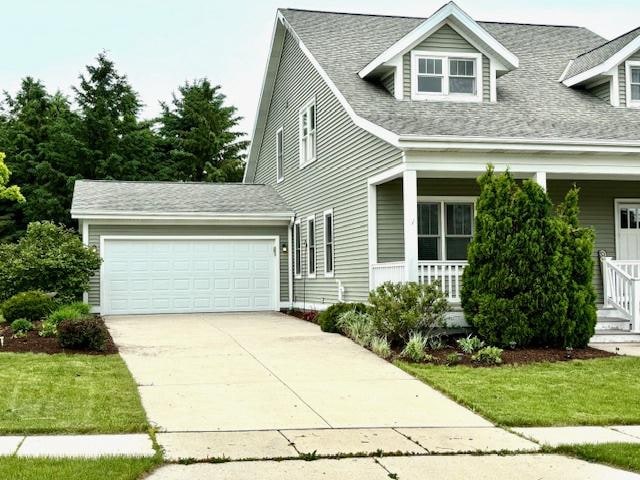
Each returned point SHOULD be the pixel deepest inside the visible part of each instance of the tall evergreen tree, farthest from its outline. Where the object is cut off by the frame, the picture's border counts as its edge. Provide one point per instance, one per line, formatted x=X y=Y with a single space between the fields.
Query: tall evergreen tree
x=198 y=131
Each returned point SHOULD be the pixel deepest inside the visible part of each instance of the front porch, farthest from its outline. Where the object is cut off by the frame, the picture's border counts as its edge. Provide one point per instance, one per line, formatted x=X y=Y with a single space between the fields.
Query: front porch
x=422 y=224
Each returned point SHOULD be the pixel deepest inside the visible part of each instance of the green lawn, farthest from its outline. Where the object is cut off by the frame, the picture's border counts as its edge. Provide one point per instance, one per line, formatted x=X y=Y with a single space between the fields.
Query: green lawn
x=75 y=469
x=591 y=392
x=68 y=394
x=620 y=455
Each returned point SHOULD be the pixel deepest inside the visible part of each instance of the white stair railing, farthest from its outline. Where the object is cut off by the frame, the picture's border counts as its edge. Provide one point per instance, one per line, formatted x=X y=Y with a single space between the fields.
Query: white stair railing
x=621 y=281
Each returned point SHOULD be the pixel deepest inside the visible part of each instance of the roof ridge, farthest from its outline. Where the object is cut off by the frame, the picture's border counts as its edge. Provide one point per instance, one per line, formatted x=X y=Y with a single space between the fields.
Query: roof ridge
x=381 y=15
x=608 y=42
x=171 y=182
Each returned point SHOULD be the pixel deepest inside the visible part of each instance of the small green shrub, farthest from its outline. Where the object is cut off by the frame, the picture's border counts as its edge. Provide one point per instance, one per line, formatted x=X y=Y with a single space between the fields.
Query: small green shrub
x=21 y=326
x=470 y=344
x=88 y=333
x=488 y=356
x=48 y=329
x=415 y=348
x=356 y=326
x=73 y=311
x=32 y=305
x=380 y=346
x=453 y=359
x=328 y=319
x=436 y=342
x=399 y=309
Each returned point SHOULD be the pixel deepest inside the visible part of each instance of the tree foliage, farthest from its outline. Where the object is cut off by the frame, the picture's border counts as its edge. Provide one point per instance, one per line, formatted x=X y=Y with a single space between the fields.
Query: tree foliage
x=8 y=193
x=527 y=267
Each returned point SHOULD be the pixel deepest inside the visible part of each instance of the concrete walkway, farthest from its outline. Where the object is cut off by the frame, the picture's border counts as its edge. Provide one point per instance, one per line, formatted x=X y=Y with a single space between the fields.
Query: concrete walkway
x=269 y=371
x=88 y=446
x=629 y=349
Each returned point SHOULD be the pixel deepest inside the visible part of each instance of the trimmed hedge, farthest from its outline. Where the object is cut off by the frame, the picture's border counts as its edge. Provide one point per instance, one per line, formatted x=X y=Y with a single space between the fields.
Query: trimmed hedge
x=328 y=319
x=88 y=333
x=32 y=305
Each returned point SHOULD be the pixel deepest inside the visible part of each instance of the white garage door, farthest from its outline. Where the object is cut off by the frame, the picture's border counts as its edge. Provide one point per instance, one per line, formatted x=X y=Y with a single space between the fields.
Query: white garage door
x=188 y=275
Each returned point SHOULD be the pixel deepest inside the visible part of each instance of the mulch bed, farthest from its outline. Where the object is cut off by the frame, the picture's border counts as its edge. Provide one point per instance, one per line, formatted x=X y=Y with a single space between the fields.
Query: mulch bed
x=34 y=343
x=523 y=356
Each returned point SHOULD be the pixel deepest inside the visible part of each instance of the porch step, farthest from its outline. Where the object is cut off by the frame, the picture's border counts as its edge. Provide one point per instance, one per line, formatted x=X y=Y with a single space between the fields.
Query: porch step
x=615 y=336
x=613 y=323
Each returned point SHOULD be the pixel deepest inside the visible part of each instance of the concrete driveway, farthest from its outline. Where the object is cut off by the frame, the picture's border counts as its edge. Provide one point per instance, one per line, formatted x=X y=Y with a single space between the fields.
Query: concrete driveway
x=268 y=371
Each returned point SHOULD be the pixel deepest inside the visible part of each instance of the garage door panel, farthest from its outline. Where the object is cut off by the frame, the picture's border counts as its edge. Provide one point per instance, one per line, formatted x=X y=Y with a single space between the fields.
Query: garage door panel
x=175 y=275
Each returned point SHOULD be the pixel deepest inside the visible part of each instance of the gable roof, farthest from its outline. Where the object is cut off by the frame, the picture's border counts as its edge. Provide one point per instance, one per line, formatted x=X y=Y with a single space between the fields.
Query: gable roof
x=605 y=56
x=454 y=15
x=106 y=197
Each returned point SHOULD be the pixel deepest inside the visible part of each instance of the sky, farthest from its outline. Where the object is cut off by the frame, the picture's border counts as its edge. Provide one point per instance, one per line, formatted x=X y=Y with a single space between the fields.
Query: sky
x=160 y=44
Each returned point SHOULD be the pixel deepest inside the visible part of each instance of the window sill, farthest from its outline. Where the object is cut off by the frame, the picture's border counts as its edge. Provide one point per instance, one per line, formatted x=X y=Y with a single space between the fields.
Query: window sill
x=279 y=180
x=312 y=276
x=463 y=98
x=304 y=164
x=329 y=275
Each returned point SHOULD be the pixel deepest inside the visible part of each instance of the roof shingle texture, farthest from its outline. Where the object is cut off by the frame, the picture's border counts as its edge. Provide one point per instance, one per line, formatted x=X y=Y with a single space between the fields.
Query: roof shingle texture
x=175 y=197
x=531 y=101
x=601 y=54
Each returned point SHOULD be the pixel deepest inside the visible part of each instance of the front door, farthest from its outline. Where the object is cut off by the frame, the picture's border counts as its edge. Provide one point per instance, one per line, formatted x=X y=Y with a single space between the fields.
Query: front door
x=628 y=247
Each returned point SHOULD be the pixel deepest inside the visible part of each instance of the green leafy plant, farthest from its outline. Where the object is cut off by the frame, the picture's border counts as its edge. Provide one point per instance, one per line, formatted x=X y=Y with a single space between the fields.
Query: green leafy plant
x=415 y=348
x=380 y=346
x=88 y=333
x=32 y=305
x=488 y=356
x=328 y=319
x=399 y=309
x=21 y=326
x=73 y=311
x=453 y=359
x=49 y=258
x=48 y=329
x=357 y=326
x=470 y=344
x=436 y=342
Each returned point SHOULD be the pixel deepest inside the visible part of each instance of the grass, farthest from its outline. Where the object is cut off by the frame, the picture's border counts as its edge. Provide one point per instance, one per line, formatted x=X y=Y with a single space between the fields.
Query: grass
x=620 y=455
x=71 y=469
x=68 y=394
x=592 y=392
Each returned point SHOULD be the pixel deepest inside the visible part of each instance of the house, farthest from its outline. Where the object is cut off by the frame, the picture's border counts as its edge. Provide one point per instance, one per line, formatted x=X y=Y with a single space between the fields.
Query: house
x=369 y=135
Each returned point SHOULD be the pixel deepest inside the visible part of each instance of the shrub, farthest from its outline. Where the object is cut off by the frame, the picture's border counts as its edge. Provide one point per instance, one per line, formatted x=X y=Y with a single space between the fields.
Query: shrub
x=88 y=333
x=380 y=346
x=488 y=356
x=470 y=344
x=415 y=348
x=399 y=309
x=48 y=329
x=32 y=305
x=50 y=258
x=73 y=311
x=356 y=326
x=328 y=319
x=453 y=359
x=310 y=316
x=435 y=342
x=527 y=264
x=21 y=326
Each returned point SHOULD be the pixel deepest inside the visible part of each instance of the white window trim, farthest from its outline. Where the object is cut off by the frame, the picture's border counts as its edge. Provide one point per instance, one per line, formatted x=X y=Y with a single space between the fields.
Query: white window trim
x=628 y=66
x=445 y=95
x=442 y=201
x=279 y=166
x=333 y=242
x=303 y=161
x=297 y=244
x=315 y=247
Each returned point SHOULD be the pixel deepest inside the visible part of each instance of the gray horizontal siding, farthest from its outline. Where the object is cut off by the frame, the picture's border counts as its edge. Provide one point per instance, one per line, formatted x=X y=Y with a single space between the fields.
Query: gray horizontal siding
x=346 y=157
x=96 y=231
x=446 y=39
x=602 y=91
x=388 y=82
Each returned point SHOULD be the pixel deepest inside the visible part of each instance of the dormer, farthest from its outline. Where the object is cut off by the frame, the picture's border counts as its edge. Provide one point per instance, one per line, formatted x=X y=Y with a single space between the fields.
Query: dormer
x=611 y=71
x=448 y=57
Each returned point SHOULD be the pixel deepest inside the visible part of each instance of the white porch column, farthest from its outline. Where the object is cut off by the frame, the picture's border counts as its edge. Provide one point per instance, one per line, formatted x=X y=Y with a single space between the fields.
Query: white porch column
x=410 y=200
x=541 y=179
x=372 y=229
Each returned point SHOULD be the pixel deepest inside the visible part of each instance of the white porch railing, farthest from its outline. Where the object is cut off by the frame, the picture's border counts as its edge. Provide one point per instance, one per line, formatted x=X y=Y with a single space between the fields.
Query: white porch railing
x=621 y=280
x=448 y=273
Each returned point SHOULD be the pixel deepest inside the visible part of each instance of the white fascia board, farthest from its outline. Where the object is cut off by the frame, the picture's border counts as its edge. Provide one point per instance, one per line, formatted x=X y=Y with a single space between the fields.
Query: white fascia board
x=607 y=65
x=429 y=25
x=133 y=215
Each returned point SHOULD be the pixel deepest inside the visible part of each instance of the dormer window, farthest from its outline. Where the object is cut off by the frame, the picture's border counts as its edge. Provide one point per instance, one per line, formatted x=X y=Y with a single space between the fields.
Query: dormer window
x=446 y=77
x=633 y=79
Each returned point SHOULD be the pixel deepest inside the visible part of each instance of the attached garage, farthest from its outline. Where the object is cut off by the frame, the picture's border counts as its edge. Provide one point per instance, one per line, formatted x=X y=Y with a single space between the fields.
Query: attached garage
x=215 y=254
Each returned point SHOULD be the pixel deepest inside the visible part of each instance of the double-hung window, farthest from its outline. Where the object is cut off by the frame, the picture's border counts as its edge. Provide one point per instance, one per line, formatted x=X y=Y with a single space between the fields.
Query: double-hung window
x=311 y=247
x=279 y=156
x=297 y=249
x=445 y=76
x=307 y=120
x=633 y=79
x=329 y=242
x=445 y=228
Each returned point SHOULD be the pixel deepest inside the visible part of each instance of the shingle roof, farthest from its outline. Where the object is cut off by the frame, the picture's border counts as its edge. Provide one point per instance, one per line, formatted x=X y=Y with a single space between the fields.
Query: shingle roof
x=148 y=198
x=600 y=54
x=531 y=101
